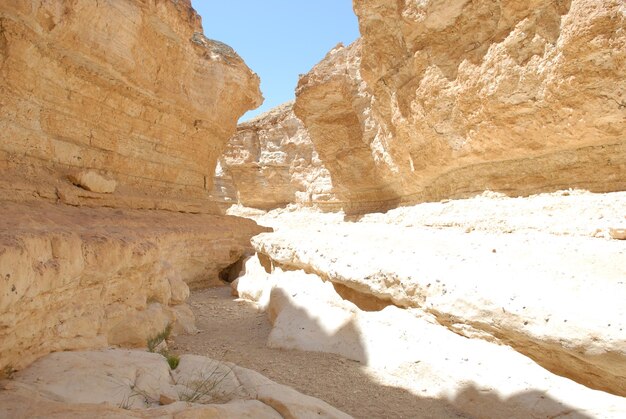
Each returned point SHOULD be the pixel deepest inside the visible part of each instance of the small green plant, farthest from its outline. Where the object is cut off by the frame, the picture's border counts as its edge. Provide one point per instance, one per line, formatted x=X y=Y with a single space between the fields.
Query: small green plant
x=172 y=360
x=154 y=342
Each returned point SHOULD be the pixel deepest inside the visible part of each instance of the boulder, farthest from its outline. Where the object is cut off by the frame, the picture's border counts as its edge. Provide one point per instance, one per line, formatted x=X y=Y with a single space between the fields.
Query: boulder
x=136 y=384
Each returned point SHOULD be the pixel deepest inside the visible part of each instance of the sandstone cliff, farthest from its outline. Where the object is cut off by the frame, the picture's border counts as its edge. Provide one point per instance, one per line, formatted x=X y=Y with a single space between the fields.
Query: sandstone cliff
x=110 y=104
x=271 y=162
x=130 y=89
x=446 y=99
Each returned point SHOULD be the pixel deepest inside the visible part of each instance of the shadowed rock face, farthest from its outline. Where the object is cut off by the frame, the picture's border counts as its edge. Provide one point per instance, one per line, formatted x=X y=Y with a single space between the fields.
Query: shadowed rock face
x=130 y=89
x=335 y=104
x=445 y=99
x=271 y=162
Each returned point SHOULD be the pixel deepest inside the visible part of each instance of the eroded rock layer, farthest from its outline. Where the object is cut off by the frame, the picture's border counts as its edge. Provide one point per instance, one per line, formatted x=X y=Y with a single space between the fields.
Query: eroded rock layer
x=122 y=104
x=409 y=350
x=446 y=99
x=542 y=275
x=129 y=89
x=271 y=162
x=77 y=278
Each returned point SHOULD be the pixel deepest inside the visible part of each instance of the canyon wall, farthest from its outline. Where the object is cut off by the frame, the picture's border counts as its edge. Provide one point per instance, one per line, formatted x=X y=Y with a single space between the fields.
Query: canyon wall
x=132 y=90
x=80 y=278
x=114 y=114
x=271 y=162
x=446 y=99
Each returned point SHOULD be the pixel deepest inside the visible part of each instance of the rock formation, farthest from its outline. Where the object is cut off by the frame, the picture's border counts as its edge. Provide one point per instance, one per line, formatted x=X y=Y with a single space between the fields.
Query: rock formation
x=131 y=90
x=552 y=293
x=419 y=354
x=115 y=113
x=110 y=104
x=334 y=104
x=447 y=99
x=271 y=162
x=78 y=278
x=136 y=384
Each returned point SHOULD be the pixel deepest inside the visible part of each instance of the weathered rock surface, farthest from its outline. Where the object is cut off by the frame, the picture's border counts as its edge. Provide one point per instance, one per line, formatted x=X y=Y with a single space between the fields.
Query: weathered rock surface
x=131 y=90
x=447 y=99
x=334 y=104
x=76 y=278
x=93 y=182
x=117 y=383
x=408 y=349
x=555 y=295
x=270 y=163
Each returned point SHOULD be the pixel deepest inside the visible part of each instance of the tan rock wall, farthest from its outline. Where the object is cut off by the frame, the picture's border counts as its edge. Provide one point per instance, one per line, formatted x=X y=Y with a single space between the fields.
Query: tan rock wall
x=131 y=89
x=77 y=278
x=271 y=162
x=335 y=105
x=446 y=99
x=114 y=103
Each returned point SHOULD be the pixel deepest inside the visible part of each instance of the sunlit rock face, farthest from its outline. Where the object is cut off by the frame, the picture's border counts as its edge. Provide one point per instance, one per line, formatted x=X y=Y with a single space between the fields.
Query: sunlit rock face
x=541 y=275
x=445 y=99
x=130 y=89
x=271 y=162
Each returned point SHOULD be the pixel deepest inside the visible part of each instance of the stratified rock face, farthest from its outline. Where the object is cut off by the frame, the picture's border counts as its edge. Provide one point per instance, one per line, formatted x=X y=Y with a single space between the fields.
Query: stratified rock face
x=270 y=163
x=448 y=98
x=110 y=104
x=78 y=278
x=335 y=105
x=129 y=89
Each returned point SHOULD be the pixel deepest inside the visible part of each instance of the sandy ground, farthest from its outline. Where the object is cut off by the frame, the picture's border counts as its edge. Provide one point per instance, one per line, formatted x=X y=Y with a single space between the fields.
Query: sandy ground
x=235 y=331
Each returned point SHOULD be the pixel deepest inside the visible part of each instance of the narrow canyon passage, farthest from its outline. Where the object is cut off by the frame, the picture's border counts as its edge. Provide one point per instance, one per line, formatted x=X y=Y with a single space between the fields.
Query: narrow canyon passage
x=425 y=218
x=235 y=331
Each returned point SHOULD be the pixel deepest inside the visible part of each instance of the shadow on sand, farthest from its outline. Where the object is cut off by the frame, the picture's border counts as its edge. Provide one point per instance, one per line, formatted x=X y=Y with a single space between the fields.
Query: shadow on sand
x=347 y=384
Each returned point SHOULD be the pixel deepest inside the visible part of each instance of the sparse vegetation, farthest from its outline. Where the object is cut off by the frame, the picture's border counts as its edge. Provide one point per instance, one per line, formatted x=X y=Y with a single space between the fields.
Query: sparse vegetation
x=154 y=343
x=172 y=359
x=127 y=401
x=207 y=385
x=195 y=390
x=161 y=337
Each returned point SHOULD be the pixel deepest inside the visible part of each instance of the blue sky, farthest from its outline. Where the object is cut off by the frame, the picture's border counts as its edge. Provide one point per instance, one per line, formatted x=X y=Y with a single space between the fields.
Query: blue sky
x=279 y=39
